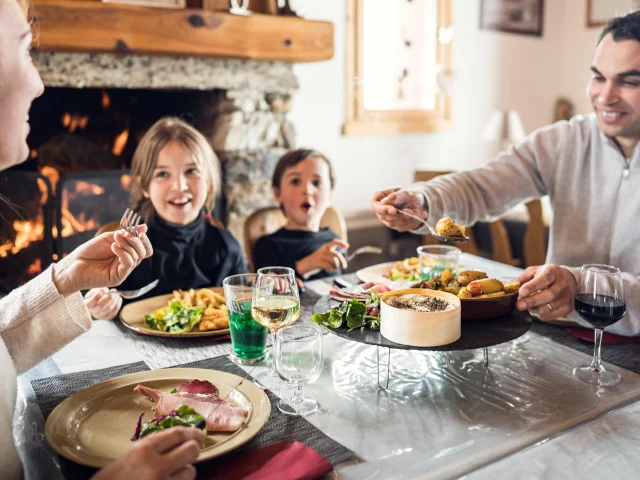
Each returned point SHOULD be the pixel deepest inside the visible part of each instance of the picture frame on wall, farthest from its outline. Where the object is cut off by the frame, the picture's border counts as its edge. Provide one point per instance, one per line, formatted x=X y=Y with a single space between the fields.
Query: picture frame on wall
x=599 y=12
x=513 y=16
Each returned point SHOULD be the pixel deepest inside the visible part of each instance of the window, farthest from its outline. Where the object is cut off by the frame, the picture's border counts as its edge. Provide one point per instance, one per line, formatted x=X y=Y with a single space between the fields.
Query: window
x=395 y=52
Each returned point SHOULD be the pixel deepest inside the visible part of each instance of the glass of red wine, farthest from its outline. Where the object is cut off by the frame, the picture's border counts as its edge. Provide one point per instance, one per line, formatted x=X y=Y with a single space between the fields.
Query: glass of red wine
x=599 y=301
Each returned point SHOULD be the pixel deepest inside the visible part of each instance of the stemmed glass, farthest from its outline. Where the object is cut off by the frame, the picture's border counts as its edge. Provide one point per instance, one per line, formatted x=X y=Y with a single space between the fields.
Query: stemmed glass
x=299 y=361
x=599 y=301
x=275 y=305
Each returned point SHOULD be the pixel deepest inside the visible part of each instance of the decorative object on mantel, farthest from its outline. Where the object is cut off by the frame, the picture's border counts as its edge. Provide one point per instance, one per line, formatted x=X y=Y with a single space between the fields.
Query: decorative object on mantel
x=599 y=12
x=152 y=3
x=514 y=16
x=285 y=9
x=239 y=7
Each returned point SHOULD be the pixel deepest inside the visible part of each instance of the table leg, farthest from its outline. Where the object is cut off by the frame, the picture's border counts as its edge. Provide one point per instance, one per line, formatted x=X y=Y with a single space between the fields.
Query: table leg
x=386 y=383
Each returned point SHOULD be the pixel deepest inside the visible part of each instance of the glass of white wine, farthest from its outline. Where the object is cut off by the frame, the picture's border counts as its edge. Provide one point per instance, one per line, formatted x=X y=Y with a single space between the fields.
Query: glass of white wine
x=275 y=305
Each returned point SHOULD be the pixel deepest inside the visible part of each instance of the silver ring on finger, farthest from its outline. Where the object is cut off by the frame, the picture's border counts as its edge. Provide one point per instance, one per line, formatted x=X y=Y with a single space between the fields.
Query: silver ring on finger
x=550 y=307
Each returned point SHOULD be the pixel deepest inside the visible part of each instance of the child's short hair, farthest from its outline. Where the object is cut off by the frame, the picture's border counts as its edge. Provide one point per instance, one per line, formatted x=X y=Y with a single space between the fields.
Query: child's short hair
x=145 y=159
x=294 y=157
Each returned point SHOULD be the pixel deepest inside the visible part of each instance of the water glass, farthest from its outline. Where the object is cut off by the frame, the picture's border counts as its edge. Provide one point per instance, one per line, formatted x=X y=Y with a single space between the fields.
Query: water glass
x=299 y=361
x=248 y=337
x=435 y=259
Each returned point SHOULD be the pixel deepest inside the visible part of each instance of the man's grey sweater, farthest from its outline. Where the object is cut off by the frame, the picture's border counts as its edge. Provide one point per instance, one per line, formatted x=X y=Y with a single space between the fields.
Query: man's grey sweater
x=595 y=203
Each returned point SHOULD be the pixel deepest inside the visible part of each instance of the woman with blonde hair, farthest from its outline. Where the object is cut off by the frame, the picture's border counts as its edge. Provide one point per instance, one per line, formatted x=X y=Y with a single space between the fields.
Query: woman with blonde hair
x=176 y=175
x=40 y=317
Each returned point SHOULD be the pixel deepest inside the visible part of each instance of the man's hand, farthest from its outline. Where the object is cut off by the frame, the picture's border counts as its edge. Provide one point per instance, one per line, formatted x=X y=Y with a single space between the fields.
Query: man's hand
x=548 y=290
x=104 y=261
x=386 y=203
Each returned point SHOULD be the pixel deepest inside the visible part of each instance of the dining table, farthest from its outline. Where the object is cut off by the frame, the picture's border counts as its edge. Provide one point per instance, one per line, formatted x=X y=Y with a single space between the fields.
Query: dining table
x=442 y=415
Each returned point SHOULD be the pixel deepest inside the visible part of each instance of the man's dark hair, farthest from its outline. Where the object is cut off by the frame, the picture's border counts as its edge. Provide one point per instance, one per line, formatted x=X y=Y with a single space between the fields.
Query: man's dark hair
x=623 y=28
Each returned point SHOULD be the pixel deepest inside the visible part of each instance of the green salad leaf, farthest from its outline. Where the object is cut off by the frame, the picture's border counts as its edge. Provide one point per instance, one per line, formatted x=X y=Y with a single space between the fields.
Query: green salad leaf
x=177 y=319
x=184 y=416
x=356 y=314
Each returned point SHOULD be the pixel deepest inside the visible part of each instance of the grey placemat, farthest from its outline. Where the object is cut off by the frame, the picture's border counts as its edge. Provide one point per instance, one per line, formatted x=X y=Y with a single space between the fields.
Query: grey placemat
x=160 y=352
x=53 y=390
x=624 y=355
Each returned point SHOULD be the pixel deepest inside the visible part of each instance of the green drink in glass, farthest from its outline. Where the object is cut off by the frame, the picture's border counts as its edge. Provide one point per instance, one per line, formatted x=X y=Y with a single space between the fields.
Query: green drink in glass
x=248 y=337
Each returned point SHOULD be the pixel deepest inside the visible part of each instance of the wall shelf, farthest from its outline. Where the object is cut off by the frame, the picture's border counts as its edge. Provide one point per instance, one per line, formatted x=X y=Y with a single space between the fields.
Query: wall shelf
x=96 y=27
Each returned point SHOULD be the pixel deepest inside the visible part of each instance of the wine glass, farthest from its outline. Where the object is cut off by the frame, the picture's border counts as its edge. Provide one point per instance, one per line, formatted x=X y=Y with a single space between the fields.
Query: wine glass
x=299 y=361
x=275 y=305
x=599 y=301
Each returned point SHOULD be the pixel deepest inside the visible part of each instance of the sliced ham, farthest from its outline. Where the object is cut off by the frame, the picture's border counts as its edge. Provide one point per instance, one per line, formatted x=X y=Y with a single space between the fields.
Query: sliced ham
x=360 y=293
x=219 y=415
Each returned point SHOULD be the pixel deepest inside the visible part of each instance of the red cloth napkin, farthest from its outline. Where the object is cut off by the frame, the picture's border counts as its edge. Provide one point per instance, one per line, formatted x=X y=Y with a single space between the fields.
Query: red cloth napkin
x=280 y=461
x=586 y=334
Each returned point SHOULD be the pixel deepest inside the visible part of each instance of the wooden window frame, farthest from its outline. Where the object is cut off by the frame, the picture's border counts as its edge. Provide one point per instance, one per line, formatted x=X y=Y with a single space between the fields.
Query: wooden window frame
x=361 y=121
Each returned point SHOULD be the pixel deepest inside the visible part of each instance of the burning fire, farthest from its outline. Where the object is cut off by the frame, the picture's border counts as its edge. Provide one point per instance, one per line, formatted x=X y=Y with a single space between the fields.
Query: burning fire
x=52 y=174
x=73 y=121
x=87 y=188
x=106 y=101
x=26 y=232
x=125 y=181
x=120 y=142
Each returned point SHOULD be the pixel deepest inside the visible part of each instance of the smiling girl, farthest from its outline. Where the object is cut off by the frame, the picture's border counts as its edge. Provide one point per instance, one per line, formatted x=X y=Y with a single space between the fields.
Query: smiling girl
x=302 y=184
x=177 y=176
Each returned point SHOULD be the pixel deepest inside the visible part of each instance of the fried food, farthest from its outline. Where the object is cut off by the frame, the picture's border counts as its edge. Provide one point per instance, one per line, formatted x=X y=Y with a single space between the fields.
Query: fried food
x=407 y=269
x=470 y=284
x=214 y=315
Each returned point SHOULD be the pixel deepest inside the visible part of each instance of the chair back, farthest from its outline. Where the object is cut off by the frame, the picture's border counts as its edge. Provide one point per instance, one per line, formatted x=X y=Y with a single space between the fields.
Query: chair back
x=271 y=219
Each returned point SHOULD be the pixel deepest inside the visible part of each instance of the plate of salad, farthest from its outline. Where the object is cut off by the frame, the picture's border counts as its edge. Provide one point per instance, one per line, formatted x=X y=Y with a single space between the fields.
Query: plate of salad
x=164 y=316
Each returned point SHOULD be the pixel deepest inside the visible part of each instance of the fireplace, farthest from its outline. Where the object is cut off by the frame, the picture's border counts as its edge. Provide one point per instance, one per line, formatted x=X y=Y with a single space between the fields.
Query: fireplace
x=87 y=124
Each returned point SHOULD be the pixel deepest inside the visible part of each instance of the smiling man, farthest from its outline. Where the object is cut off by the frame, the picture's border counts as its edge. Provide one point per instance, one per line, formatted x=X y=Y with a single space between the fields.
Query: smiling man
x=589 y=167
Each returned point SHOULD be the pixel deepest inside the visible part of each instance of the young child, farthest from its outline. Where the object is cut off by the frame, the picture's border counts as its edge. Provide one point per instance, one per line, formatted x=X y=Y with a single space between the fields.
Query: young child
x=176 y=177
x=302 y=184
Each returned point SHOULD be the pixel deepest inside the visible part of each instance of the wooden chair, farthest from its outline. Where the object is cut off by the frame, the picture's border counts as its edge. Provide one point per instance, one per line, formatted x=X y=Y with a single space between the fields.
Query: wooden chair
x=268 y=220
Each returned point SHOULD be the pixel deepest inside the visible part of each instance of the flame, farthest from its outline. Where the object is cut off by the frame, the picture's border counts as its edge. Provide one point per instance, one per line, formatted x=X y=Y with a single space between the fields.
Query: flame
x=66 y=120
x=87 y=188
x=52 y=174
x=120 y=142
x=35 y=268
x=54 y=256
x=73 y=121
x=106 y=101
x=26 y=232
x=71 y=224
x=34 y=154
x=125 y=181
x=44 y=192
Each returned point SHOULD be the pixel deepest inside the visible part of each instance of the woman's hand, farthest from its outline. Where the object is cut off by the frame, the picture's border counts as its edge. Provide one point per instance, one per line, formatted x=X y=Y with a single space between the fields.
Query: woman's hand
x=548 y=290
x=104 y=261
x=164 y=455
x=385 y=204
x=102 y=305
x=327 y=257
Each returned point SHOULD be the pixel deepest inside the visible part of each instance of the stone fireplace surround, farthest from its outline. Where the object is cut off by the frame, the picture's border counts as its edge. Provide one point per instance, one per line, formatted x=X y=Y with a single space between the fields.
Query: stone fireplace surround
x=247 y=125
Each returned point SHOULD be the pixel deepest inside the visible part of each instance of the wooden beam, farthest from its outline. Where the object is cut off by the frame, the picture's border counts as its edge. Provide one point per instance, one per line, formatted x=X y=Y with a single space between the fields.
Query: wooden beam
x=95 y=27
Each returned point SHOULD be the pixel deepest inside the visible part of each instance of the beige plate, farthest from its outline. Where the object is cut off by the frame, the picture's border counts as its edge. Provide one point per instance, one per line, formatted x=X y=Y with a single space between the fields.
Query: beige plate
x=132 y=316
x=94 y=426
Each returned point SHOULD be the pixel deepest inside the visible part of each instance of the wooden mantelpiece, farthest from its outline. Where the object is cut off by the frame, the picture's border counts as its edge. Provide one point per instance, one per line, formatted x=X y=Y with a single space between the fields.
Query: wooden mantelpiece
x=96 y=27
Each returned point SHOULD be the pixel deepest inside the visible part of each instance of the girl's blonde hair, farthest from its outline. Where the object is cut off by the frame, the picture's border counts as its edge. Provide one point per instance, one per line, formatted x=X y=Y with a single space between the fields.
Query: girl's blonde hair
x=145 y=159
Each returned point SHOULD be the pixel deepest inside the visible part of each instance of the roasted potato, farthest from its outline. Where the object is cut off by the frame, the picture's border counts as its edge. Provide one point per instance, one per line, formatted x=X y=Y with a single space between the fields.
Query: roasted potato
x=445 y=226
x=465 y=277
x=464 y=293
x=511 y=287
x=485 y=286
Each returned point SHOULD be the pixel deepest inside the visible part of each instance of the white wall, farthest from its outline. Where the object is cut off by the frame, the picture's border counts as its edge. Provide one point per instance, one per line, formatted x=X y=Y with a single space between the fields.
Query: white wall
x=493 y=70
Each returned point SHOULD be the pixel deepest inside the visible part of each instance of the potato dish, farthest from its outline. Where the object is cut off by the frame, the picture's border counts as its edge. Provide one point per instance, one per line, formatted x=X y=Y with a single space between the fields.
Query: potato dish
x=214 y=308
x=446 y=227
x=469 y=284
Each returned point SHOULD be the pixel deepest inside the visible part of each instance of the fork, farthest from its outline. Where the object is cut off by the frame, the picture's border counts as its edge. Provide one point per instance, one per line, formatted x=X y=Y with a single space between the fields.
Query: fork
x=130 y=221
x=365 y=249
x=131 y=294
x=444 y=238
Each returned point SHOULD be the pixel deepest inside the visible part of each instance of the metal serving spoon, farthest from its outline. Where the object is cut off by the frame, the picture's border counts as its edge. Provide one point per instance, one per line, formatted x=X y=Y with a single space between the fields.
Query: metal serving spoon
x=444 y=238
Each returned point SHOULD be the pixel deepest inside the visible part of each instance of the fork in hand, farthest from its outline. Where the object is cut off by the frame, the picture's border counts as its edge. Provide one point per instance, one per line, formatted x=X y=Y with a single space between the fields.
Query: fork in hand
x=130 y=294
x=130 y=221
